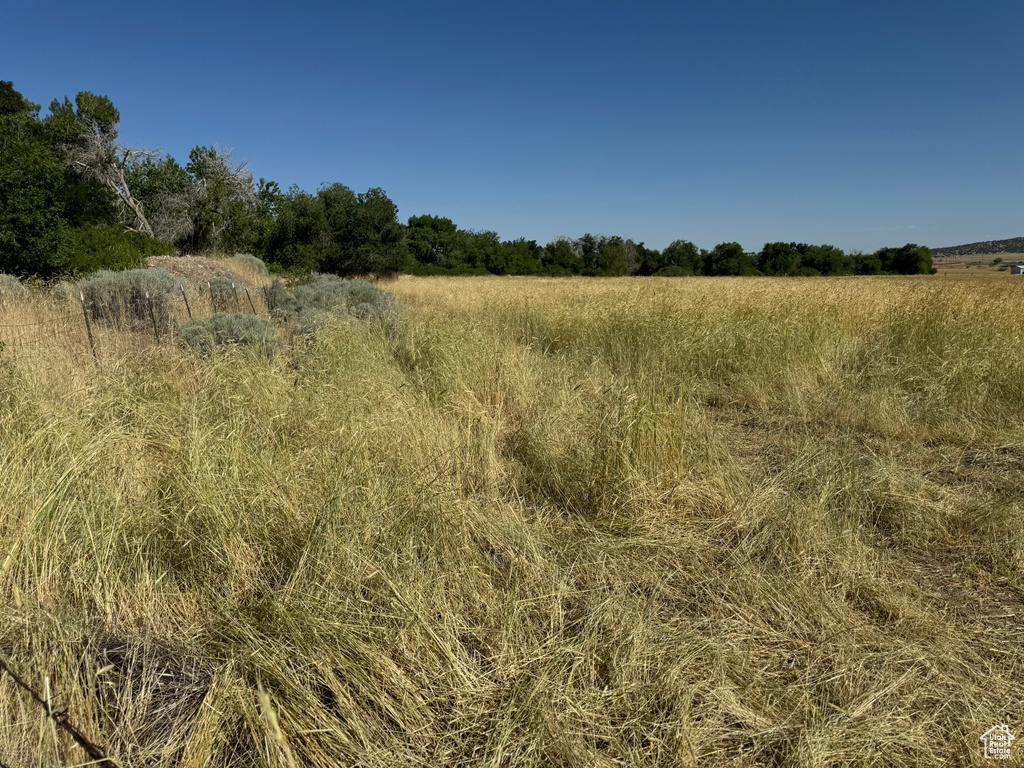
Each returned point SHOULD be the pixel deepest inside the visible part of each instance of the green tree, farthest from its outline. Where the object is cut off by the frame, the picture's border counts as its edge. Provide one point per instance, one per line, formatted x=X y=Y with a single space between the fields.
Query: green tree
x=562 y=257
x=865 y=264
x=598 y=255
x=162 y=188
x=648 y=260
x=436 y=241
x=299 y=238
x=86 y=134
x=727 y=259
x=522 y=256
x=268 y=198
x=589 y=249
x=211 y=203
x=825 y=259
x=34 y=190
x=911 y=259
x=365 y=234
x=778 y=259
x=611 y=257
x=335 y=231
x=630 y=257
x=221 y=202
x=13 y=103
x=52 y=220
x=680 y=258
x=58 y=209
x=383 y=248
x=483 y=252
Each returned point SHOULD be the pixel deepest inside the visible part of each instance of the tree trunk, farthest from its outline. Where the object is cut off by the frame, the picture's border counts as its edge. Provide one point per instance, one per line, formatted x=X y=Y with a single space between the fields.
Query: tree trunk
x=120 y=187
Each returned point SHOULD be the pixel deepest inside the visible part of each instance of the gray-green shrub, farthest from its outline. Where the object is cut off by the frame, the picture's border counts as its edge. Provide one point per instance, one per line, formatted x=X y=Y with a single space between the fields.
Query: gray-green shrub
x=60 y=294
x=123 y=299
x=12 y=290
x=308 y=306
x=223 y=294
x=228 y=329
x=252 y=262
x=274 y=294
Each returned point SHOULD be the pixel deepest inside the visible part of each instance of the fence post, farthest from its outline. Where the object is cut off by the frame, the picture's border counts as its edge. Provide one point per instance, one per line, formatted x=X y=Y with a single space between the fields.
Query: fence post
x=250 y=299
x=152 y=316
x=238 y=304
x=186 y=302
x=88 y=328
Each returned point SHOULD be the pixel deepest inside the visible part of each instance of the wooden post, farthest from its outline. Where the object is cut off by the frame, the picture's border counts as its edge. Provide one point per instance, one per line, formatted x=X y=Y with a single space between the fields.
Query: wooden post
x=88 y=328
x=238 y=304
x=152 y=316
x=250 y=299
x=186 y=302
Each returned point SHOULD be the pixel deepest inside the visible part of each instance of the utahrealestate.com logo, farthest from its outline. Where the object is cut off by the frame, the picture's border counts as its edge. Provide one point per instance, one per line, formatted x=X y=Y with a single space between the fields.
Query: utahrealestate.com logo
x=997 y=740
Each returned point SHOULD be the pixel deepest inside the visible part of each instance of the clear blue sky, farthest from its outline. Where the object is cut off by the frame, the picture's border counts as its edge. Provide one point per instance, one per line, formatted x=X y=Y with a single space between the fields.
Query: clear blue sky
x=859 y=124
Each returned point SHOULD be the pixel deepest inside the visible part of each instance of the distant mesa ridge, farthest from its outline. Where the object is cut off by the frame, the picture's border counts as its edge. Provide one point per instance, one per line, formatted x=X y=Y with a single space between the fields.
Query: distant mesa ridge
x=1013 y=245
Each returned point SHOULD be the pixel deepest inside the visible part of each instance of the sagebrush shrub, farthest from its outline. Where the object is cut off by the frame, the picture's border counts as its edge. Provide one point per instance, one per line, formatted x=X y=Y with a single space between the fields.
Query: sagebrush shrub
x=62 y=292
x=228 y=329
x=12 y=290
x=308 y=306
x=274 y=294
x=252 y=262
x=223 y=294
x=124 y=299
x=59 y=294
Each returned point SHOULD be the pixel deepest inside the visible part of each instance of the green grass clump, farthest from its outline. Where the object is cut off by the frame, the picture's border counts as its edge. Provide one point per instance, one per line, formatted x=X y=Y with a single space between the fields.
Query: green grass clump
x=228 y=329
x=125 y=299
x=307 y=307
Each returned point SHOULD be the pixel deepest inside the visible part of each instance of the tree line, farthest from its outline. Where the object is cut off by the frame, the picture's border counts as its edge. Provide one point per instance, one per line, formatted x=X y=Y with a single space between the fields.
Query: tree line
x=74 y=199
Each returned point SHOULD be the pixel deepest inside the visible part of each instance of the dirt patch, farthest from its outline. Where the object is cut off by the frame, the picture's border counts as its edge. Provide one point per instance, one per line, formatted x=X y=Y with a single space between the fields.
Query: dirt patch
x=198 y=270
x=943 y=576
x=988 y=613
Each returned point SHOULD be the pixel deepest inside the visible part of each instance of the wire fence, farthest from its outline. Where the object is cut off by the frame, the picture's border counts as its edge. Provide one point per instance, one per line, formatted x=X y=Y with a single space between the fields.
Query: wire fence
x=71 y=332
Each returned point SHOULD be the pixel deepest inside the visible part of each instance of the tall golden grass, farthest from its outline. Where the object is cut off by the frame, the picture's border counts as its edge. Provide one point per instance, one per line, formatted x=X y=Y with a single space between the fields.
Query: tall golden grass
x=533 y=522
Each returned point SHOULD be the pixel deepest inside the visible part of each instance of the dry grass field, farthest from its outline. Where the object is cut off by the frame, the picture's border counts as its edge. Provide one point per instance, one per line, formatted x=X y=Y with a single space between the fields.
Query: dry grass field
x=532 y=522
x=978 y=266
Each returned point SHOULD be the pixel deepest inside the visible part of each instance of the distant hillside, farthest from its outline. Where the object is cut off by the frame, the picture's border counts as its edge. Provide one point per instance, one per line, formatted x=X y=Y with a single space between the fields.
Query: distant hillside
x=1013 y=245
